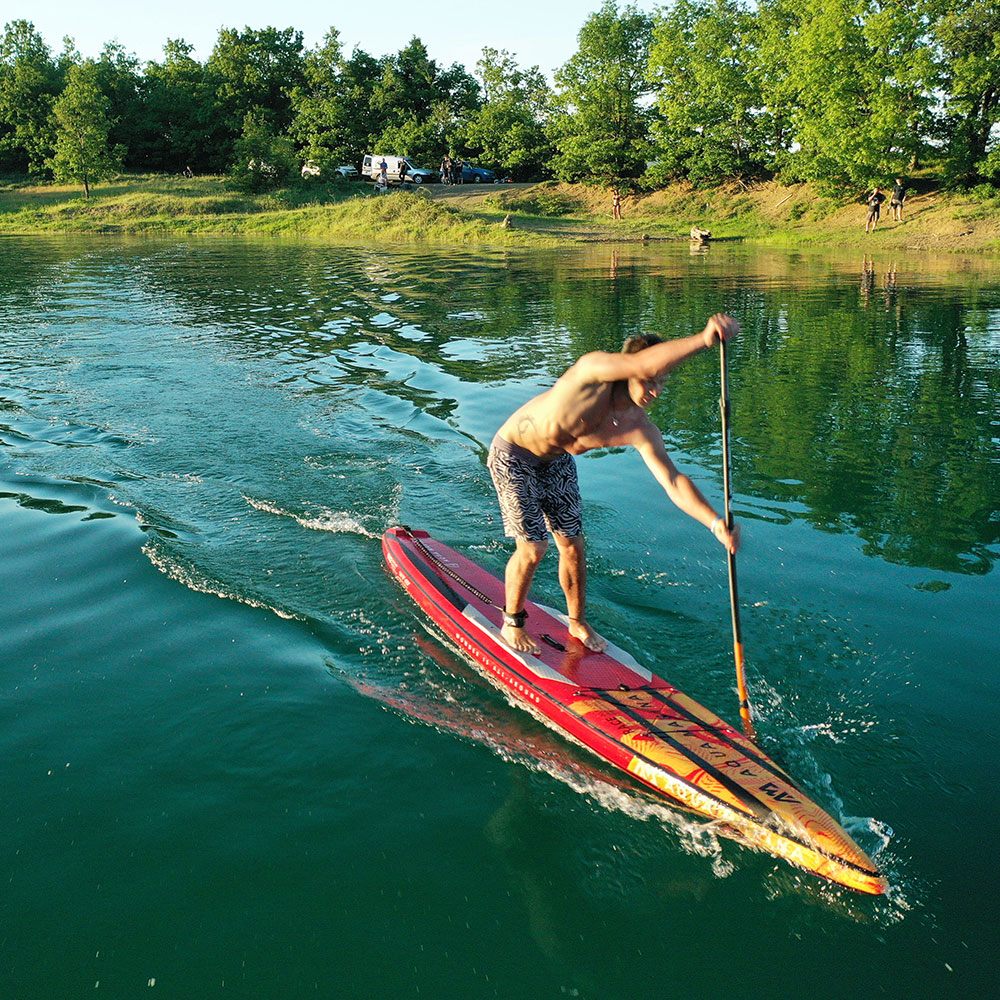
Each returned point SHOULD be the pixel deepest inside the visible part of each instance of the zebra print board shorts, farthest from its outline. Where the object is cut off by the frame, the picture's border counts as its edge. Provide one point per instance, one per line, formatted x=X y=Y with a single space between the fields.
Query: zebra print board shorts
x=535 y=496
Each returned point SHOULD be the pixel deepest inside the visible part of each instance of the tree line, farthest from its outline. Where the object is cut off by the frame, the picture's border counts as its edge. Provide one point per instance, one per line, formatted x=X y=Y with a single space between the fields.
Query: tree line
x=842 y=94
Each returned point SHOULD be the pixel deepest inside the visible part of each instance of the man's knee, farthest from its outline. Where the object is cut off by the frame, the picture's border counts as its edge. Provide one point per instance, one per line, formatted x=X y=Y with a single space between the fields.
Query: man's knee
x=569 y=546
x=532 y=552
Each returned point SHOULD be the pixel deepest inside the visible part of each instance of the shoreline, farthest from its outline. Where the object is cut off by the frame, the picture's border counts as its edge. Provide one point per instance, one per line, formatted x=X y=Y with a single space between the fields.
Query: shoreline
x=767 y=214
x=510 y=215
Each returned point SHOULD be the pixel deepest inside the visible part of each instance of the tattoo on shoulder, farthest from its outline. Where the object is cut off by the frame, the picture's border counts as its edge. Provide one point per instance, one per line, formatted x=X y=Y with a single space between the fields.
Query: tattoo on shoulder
x=525 y=424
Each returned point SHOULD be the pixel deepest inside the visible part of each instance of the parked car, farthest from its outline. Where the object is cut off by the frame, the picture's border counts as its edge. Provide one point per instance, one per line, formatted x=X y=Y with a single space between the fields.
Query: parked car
x=311 y=169
x=420 y=175
x=471 y=174
x=372 y=166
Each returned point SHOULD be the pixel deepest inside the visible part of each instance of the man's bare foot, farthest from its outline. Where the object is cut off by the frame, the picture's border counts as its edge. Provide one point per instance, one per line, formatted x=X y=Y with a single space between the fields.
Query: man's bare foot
x=518 y=638
x=586 y=635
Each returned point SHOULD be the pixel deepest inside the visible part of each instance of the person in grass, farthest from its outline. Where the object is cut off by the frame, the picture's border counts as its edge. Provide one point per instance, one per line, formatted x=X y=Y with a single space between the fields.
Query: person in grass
x=896 y=200
x=875 y=200
x=599 y=402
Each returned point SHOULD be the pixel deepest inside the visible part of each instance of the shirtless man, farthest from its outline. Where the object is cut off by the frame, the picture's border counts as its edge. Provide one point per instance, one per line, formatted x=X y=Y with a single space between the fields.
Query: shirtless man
x=599 y=402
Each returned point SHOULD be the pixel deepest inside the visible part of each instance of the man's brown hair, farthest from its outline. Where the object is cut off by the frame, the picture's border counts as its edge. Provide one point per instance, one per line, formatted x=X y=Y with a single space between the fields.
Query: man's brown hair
x=640 y=342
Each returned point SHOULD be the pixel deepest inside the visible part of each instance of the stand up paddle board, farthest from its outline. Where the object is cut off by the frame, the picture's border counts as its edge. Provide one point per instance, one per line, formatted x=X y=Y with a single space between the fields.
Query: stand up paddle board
x=624 y=713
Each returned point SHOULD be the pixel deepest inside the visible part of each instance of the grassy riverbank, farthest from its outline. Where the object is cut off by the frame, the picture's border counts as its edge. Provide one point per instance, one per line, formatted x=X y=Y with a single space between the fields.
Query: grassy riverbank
x=539 y=214
x=156 y=205
x=769 y=213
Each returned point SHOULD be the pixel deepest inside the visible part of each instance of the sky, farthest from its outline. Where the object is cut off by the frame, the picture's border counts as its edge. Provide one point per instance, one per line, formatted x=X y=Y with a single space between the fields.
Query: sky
x=537 y=33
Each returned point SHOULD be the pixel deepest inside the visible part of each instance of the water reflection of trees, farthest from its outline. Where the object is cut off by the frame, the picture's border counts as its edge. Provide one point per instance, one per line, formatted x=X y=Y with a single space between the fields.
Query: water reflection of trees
x=882 y=421
x=868 y=411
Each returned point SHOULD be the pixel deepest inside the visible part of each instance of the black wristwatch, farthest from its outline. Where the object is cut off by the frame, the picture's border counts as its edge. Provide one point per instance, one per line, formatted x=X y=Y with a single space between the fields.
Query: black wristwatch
x=516 y=619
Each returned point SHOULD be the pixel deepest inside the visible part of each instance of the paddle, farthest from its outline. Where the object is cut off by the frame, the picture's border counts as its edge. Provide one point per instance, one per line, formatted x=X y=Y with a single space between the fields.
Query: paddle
x=741 y=686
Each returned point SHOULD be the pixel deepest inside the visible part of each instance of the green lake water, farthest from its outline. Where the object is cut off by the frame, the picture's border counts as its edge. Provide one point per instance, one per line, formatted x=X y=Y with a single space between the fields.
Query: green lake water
x=233 y=761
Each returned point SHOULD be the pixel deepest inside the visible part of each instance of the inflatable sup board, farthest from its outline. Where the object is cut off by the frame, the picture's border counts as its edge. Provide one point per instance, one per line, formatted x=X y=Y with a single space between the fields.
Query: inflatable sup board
x=627 y=715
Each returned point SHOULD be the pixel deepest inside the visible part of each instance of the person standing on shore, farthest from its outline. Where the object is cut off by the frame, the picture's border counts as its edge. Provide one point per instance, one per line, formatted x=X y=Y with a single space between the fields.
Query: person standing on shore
x=896 y=200
x=599 y=402
x=616 y=206
x=875 y=200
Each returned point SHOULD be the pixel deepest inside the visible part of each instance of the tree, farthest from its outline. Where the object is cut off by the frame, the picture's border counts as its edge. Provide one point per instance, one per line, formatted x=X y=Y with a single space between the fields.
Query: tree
x=263 y=157
x=412 y=83
x=422 y=108
x=969 y=39
x=29 y=83
x=710 y=121
x=120 y=80
x=82 y=152
x=181 y=123
x=334 y=120
x=257 y=71
x=509 y=129
x=855 y=80
x=424 y=138
x=602 y=129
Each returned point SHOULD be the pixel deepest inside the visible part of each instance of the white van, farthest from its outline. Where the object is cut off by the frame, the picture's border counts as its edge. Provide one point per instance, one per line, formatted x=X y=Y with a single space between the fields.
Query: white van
x=371 y=167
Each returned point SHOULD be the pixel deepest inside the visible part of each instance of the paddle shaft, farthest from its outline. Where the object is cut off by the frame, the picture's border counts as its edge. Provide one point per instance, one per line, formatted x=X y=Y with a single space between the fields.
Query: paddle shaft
x=741 y=686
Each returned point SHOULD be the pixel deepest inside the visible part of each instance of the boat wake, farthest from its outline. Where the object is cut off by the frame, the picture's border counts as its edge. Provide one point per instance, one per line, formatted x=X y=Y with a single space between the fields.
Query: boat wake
x=542 y=753
x=337 y=522
x=188 y=575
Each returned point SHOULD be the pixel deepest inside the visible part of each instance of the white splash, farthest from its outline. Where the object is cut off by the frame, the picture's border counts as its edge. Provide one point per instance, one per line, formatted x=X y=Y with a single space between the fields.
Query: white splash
x=337 y=522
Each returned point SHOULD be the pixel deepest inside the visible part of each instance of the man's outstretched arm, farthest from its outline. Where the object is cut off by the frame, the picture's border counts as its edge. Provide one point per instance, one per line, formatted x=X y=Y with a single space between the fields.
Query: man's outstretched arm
x=682 y=490
x=659 y=359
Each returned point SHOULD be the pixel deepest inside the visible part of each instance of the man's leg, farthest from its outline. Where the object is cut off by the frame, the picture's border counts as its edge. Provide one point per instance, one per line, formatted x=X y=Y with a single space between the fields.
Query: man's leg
x=517 y=579
x=573 y=578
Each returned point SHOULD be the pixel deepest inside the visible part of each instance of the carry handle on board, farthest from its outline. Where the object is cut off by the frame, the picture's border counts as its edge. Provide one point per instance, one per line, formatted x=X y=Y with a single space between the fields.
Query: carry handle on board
x=741 y=686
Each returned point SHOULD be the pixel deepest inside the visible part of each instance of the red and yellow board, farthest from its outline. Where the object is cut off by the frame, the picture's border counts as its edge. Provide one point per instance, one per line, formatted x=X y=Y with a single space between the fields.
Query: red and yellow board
x=628 y=716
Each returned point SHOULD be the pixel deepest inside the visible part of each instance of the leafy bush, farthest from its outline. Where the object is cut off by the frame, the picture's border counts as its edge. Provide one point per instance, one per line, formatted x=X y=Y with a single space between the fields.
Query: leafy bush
x=984 y=192
x=263 y=159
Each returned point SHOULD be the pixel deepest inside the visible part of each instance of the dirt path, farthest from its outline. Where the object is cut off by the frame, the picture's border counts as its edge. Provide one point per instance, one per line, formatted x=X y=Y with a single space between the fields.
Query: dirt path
x=469 y=197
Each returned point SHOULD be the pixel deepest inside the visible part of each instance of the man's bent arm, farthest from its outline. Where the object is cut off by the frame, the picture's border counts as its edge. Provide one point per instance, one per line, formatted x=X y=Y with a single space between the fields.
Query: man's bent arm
x=658 y=359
